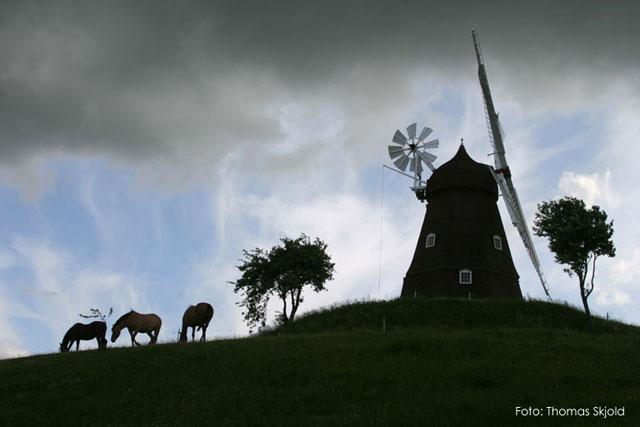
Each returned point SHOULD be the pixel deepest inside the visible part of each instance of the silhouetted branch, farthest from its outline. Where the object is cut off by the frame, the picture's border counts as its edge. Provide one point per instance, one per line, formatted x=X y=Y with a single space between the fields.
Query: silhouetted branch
x=97 y=314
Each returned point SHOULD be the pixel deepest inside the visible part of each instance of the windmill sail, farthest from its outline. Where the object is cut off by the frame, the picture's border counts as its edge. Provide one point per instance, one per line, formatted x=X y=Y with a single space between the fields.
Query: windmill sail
x=502 y=172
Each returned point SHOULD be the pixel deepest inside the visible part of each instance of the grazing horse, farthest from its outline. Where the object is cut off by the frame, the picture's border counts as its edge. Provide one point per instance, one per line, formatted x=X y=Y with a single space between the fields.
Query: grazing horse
x=136 y=322
x=199 y=316
x=80 y=331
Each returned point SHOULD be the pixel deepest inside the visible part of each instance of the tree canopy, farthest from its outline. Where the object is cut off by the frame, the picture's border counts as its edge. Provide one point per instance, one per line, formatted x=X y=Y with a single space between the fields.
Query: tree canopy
x=283 y=271
x=577 y=237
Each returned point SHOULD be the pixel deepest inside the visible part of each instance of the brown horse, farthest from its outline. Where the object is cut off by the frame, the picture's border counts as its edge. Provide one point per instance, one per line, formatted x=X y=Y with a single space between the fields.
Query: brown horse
x=136 y=322
x=87 y=332
x=199 y=316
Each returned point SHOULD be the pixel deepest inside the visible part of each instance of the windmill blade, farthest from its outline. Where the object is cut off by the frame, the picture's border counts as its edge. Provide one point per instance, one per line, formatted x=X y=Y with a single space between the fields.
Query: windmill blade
x=430 y=166
x=427 y=157
x=395 y=151
x=399 y=138
x=426 y=131
x=431 y=144
x=510 y=197
x=402 y=162
x=411 y=130
x=523 y=230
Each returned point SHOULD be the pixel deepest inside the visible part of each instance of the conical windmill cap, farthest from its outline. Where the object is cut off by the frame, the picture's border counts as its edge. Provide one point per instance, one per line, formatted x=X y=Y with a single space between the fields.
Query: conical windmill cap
x=462 y=172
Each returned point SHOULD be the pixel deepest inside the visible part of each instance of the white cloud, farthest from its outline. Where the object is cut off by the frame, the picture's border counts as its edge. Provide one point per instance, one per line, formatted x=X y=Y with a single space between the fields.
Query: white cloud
x=612 y=297
x=7 y=260
x=594 y=189
x=625 y=268
x=350 y=225
x=60 y=289
x=10 y=345
x=9 y=348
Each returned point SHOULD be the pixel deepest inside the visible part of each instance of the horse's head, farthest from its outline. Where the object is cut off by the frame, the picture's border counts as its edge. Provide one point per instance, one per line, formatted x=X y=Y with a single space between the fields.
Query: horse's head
x=63 y=348
x=115 y=333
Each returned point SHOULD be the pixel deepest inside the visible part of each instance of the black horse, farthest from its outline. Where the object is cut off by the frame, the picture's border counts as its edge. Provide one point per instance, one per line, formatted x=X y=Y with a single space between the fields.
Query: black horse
x=80 y=331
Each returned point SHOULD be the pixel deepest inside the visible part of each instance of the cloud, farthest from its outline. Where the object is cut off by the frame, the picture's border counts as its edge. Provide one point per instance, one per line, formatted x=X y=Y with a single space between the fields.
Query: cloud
x=31 y=175
x=625 y=268
x=175 y=88
x=10 y=349
x=594 y=189
x=612 y=297
x=58 y=289
x=9 y=341
x=282 y=110
x=7 y=260
x=350 y=225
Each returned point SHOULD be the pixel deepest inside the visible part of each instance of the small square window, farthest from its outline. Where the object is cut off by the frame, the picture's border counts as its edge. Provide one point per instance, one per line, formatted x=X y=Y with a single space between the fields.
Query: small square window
x=465 y=277
x=497 y=242
x=431 y=240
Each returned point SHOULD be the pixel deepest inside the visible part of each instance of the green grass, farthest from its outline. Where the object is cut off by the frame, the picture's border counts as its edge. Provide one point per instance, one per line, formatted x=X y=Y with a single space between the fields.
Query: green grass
x=451 y=313
x=440 y=362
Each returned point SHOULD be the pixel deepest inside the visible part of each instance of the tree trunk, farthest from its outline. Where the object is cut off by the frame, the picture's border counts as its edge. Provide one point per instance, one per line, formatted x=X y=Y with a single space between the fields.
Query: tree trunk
x=585 y=303
x=285 y=318
x=294 y=305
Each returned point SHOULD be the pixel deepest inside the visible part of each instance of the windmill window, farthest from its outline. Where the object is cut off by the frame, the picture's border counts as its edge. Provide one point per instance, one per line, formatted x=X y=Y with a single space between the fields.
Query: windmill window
x=431 y=240
x=497 y=242
x=465 y=277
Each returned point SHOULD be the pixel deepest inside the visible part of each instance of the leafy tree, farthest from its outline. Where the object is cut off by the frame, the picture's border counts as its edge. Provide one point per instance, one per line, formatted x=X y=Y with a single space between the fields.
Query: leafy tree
x=577 y=236
x=283 y=271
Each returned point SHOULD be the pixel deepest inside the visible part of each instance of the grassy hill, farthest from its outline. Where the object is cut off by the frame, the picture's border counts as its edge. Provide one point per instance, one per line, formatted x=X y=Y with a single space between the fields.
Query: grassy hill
x=439 y=362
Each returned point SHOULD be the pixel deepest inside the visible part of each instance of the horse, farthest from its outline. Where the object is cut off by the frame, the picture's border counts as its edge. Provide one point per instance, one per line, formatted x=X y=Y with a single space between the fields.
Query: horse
x=199 y=316
x=137 y=322
x=80 y=331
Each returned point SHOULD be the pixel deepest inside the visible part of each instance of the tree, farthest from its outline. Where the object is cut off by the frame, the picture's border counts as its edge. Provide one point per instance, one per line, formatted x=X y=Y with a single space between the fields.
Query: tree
x=282 y=271
x=577 y=236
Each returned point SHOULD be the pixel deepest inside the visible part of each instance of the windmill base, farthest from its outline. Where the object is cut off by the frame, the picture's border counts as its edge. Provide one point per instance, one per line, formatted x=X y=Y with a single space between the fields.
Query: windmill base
x=445 y=284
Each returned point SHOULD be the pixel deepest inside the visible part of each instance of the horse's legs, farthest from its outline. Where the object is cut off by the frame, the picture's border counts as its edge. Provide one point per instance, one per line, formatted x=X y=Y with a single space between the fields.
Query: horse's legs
x=150 y=337
x=133 y=338
x=193 y=333
x=77 y=345
x=204 y=332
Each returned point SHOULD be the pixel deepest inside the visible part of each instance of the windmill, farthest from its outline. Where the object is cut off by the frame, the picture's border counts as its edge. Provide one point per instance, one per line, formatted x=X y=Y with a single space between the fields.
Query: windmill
x=501 y=171
x=462 y=249
x=411 y=151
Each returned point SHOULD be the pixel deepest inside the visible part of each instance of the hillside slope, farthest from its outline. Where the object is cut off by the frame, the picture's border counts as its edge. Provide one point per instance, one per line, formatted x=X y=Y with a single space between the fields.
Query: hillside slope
x=338 y=366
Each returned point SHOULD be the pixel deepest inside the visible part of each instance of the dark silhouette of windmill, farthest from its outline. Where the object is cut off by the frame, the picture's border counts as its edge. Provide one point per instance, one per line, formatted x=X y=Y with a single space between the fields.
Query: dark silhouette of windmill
x=462 y=249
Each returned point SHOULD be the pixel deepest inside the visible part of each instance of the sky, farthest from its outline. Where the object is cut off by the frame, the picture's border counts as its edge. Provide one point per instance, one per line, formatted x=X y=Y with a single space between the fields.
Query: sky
x=144 y=145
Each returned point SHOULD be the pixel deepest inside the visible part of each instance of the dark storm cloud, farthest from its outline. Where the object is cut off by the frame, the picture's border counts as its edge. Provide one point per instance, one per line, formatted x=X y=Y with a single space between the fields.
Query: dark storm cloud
x=191 y=80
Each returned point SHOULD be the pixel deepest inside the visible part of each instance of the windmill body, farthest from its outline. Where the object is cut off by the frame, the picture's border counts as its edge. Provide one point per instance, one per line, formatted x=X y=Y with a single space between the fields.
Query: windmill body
x=462 y=249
